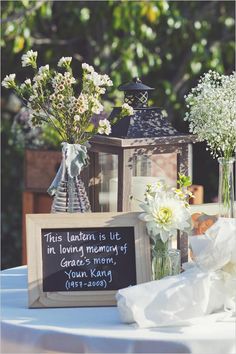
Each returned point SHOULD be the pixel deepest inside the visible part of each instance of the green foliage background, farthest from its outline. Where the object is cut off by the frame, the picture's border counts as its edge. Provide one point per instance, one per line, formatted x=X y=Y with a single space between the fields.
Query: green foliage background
x=167 y=44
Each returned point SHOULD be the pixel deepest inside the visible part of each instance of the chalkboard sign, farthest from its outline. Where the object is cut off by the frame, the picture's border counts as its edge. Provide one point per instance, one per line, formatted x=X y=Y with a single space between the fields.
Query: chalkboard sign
x=83 y=259
x=88 y=259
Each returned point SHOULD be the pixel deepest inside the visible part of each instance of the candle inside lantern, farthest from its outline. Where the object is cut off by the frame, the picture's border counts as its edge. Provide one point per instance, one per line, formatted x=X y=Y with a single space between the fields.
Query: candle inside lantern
x=138 y=188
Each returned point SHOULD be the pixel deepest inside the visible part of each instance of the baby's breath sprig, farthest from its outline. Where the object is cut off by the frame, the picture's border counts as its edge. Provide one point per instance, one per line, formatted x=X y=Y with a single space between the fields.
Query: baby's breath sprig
x=212 y=112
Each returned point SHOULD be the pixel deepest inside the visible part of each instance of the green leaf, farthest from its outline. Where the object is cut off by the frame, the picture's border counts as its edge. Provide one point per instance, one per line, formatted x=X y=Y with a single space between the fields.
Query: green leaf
x=139 y=50
x=152 y=13
x=26 y=32
x=18 y=44
x=184 y=181
x=85 y=14
x=2 y=43
x=90 y=128
x=25 y=3
x=10 y=29
x=196 y=67
x=46 y=10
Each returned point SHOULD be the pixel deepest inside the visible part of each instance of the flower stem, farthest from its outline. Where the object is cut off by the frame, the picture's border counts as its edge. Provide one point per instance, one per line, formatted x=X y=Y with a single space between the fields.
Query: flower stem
x=226 y=192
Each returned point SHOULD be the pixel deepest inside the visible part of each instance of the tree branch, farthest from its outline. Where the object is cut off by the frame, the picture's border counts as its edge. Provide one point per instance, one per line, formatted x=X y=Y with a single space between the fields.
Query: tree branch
x=49 y=41
x=19 y=16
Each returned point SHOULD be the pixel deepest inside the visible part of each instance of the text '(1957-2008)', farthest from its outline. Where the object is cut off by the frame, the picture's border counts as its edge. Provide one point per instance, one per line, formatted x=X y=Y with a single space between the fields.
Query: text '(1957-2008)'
x=84 y=259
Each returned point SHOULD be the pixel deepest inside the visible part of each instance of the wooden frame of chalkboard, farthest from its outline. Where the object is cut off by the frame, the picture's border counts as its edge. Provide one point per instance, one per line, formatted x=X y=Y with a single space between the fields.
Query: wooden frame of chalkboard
x=83 y=259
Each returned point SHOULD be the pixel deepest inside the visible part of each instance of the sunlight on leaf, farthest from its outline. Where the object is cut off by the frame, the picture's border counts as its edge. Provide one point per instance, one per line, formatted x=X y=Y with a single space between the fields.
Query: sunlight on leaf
x=18 y=44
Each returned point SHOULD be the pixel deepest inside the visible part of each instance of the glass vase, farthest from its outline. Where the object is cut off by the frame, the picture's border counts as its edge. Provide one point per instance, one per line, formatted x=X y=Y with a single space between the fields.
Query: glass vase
x=165 y=260
x=226 y=187
x=68 y=188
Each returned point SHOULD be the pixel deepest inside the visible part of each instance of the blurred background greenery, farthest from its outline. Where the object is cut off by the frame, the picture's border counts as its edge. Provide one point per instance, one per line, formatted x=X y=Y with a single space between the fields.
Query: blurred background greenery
x=167 y=44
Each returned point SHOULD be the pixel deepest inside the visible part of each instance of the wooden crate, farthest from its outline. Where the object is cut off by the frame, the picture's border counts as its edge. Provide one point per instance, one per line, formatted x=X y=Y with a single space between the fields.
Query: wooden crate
x=40 y=167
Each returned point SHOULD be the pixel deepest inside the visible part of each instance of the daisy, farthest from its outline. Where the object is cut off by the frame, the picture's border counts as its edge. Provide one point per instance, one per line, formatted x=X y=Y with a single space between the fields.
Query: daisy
x=164 y=215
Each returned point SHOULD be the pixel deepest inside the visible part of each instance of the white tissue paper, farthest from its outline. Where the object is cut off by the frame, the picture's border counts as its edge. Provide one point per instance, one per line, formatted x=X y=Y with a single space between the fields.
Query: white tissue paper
x=203 y=288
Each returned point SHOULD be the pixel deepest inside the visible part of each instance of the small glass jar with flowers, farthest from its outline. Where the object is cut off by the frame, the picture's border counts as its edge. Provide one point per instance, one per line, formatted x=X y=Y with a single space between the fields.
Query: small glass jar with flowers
x=73 y=107
x=166 y=212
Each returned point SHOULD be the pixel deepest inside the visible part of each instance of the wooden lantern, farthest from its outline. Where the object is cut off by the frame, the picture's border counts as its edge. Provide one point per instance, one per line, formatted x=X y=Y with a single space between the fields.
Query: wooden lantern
x=141 y=149
x=132 y=163
x=116 y=165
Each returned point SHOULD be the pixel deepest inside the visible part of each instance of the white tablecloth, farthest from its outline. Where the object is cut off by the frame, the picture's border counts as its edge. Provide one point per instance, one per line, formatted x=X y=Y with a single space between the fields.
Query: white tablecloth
x=93 y=330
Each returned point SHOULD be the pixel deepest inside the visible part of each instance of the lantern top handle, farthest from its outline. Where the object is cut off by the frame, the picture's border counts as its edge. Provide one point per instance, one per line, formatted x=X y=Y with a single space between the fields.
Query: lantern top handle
x=135 y=85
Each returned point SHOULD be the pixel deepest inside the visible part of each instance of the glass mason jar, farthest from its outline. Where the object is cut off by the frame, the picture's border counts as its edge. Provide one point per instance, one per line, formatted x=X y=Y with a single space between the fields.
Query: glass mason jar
x=67 y=187
x=165 y=260
x=226 y=187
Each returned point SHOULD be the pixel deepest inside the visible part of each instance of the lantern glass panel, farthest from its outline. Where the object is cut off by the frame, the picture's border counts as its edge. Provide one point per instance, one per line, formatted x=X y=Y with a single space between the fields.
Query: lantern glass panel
x=148 y=169
x=106 y=192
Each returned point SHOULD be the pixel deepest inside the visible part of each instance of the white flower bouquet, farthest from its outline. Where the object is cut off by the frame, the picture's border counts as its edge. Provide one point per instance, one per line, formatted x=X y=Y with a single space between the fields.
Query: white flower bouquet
x=73 y=108
x=54 y=97
x=212 y=112
x=212 y=116
x=166 y=211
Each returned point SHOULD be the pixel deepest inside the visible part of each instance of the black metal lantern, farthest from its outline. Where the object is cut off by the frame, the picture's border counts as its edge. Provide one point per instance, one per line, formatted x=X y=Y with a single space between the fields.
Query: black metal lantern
x=136 y=93
x=146 y=121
